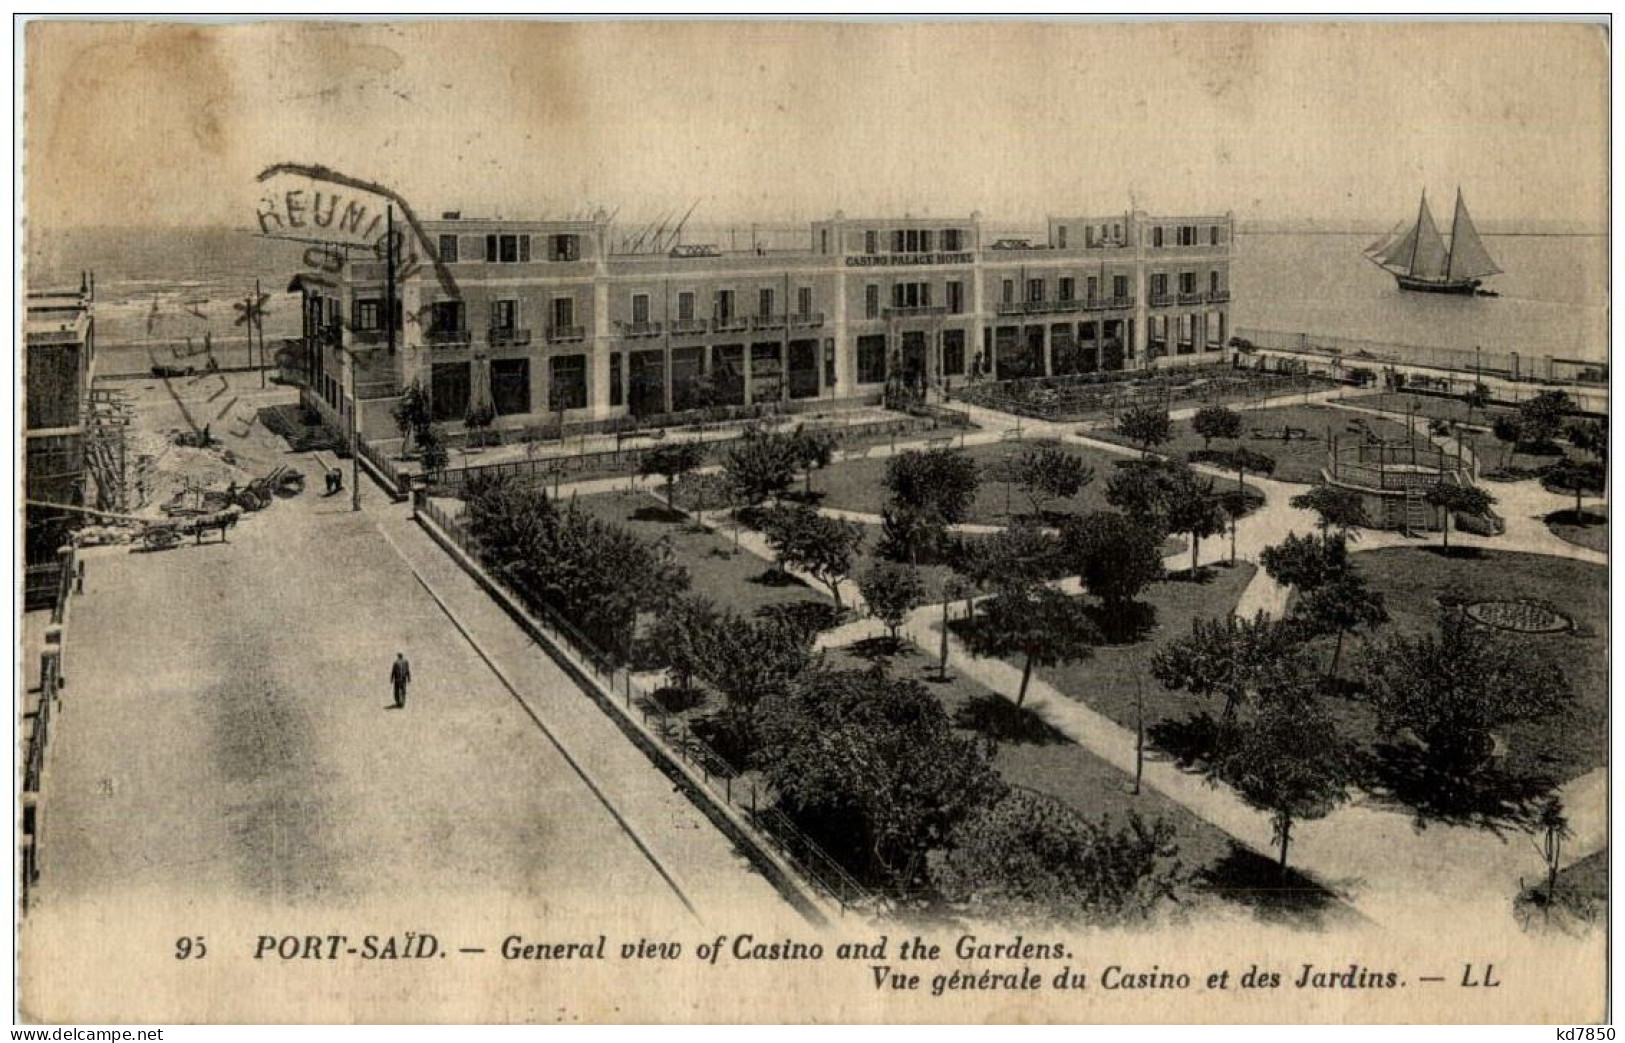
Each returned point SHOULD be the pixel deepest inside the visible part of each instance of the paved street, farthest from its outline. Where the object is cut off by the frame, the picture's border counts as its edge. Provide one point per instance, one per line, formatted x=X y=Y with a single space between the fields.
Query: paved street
x=225 y=738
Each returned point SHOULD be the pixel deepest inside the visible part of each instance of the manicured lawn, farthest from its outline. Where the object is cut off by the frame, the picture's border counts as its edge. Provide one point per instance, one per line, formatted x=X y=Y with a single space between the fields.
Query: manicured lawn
x=857 y=485
x=1429 y=407
x=1031 y=753
x=740 y=581
x=1589 y=531
x=1297 y=460
x=1563 y=745
x=1110 y=678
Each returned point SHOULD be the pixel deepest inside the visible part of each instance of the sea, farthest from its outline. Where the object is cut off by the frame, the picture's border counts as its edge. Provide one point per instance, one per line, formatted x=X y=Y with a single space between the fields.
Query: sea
x=158 y=291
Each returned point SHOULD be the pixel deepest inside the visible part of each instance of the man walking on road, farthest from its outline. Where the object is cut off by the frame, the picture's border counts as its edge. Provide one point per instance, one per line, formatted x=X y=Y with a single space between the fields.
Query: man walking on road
x=399 y=674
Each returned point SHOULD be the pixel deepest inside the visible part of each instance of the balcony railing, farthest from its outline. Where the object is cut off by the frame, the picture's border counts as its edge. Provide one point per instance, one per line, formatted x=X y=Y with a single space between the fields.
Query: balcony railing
x=812 y=318
x=1160 y=300
x=640 y=329
x=565 y=334
x=508 y=338
x=448 y=338
x=366 y=338
x=1107 y=303
x=688 y=327
x=730 y=324
x=1218 y=296
x=913 y=310
x=767 y=322
x=1191 y=298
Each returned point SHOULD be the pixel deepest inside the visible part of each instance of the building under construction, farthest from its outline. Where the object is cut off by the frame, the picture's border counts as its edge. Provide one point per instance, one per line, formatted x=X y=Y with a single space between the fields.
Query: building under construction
x=64 y=436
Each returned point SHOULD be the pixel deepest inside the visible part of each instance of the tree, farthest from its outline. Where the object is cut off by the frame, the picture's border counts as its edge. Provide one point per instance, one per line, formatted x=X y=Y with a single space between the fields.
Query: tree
x=1036 y=622
x=1216 y=422
x=760 y=466
x=478 y=420
x=1452 y=689
x=681 y=637
x=1231 y=658
x=813 y=450
x=1193 y=509
x=1019 y=555
x=1047 y=473
x=1287 y=759
x=939 y=481
x=892 y=591
x=1305 y=562
x=803 y=539
x=1541 y=417
x=1142 y=488
x=749 y=660
x=1451 y=498
x=1146 y=426
x=413 y=414
x=1341 y=605
x=1508 y=430
x=1579 y=478
x=1116 y=556
x=909 y=533
x=1340 y=509
x=871 y=767
x=510 y=520
x=1029 y=858
x=1589 y=436
x=432 y=450
x=1477 y=397
x=672 y=461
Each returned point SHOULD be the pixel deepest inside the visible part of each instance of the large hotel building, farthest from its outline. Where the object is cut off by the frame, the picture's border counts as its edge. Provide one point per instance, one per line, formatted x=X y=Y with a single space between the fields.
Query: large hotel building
x=547 y=320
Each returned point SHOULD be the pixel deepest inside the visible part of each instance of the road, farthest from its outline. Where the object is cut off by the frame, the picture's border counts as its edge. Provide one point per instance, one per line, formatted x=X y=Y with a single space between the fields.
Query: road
x=226 y=757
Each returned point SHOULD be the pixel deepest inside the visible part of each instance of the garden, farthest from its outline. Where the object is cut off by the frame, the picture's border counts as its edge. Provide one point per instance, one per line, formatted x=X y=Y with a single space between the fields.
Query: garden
x=1098 y=395
x=1293 y=438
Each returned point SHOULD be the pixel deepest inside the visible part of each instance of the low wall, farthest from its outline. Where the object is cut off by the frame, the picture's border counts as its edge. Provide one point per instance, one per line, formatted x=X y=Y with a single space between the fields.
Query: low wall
x=758 y=846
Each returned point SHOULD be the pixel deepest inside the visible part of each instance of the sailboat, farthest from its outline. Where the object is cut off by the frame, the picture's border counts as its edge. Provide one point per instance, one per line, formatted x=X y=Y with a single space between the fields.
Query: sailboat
x=1419 y=259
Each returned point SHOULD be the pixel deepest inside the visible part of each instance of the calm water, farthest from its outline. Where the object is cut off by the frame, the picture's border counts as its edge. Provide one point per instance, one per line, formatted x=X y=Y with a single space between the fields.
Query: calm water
x=1553 y=295
x=156 y=289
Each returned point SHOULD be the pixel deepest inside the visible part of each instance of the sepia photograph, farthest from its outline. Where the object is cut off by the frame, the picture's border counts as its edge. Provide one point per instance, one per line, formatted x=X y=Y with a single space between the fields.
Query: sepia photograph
x=812 y=521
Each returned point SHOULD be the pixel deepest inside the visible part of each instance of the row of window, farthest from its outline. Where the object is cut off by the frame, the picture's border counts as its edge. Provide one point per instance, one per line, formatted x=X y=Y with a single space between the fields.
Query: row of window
x=916 y=240
x=1158 y=283
x=1094 y=235
x=510 y=249
x=1187 y=235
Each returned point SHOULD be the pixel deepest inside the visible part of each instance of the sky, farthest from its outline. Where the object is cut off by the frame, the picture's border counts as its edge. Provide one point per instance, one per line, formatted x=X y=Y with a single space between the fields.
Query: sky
x=1343 y=124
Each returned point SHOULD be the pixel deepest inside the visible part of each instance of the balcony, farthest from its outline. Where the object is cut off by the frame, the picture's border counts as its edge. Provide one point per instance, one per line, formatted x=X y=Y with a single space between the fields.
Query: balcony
x=565 y=334
x=688 y=327
x=508 y=337
x=1191 y=298
x=730 y=324
x=447 y=338
x=1108 y=303
x=767 y=322
x=370 y=338
x=911 y=311
x=640 y=329
x=1160 y=300
x=812 y=318
x=1218 y=296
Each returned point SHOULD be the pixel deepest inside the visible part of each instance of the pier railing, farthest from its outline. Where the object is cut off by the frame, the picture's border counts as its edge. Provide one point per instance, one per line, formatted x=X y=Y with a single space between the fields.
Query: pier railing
x=1353 y=351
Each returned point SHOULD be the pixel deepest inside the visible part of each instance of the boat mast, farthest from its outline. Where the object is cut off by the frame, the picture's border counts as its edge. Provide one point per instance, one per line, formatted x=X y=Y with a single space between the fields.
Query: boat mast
x=1450 y=258
x=1410 y=269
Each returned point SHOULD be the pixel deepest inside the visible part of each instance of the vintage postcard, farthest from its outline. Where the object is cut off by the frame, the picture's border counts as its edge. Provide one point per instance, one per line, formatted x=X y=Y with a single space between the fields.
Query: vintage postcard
x=813 y=521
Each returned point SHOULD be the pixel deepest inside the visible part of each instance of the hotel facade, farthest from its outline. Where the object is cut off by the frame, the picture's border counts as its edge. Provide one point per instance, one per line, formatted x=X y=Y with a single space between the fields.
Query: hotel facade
x=547 y=322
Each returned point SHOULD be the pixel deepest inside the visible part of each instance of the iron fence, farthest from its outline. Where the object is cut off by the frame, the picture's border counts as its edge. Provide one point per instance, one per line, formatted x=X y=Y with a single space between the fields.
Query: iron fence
x=719 y=776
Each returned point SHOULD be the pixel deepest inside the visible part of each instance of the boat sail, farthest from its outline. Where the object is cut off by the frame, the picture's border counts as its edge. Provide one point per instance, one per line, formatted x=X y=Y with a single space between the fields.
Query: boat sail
x=1419 y=259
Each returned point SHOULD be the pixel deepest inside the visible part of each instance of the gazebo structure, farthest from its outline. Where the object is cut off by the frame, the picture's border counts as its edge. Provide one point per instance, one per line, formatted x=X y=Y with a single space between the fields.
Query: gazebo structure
x=1392 y=479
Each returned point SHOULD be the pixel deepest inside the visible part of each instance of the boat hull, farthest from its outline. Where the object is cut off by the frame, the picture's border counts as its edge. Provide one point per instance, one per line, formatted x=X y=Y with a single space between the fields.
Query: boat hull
x=1460 y=287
